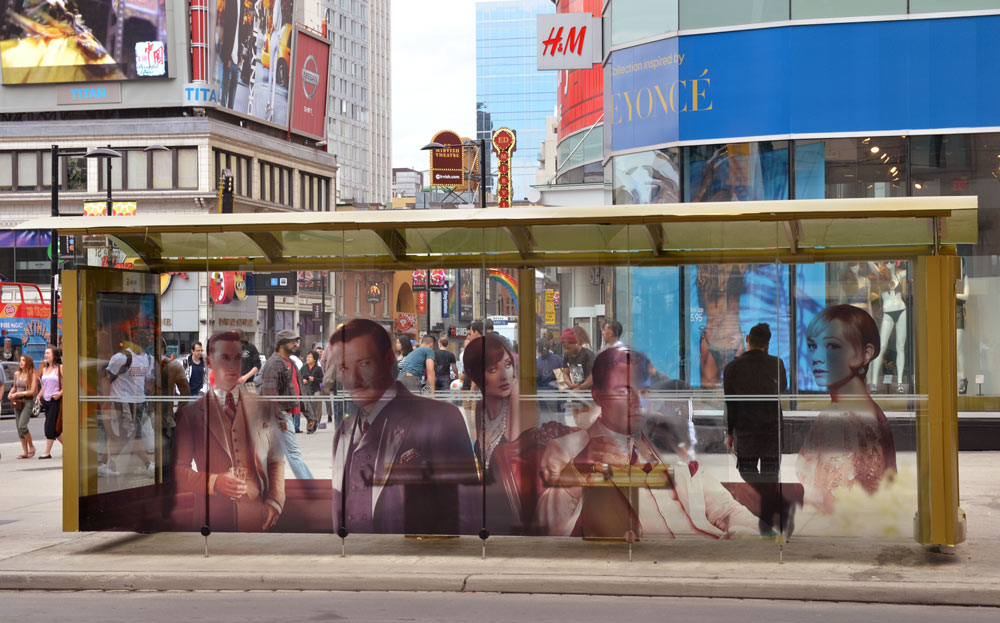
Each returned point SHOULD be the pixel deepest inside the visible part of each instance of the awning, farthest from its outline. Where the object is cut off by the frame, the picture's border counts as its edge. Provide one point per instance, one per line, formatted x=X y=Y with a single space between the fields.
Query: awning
x=764 y=231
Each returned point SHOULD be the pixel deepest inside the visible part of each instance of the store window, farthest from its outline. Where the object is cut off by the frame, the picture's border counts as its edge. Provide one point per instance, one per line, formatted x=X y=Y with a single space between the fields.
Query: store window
x=736 y=172
x=851 y=167
x=934 y=6
x=647 y=177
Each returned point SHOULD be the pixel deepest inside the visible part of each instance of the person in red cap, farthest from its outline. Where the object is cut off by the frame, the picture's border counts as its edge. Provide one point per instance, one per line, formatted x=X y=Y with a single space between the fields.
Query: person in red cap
x=578 y=362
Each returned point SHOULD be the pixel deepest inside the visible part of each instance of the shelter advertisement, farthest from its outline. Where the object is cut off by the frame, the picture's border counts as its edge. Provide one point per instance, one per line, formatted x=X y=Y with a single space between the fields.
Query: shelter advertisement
x=312 y=60
x=47 y=41
x=253 y=59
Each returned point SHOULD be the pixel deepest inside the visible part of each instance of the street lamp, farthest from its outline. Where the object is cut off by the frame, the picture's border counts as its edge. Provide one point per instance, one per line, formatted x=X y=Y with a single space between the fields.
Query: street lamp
x=101 y=152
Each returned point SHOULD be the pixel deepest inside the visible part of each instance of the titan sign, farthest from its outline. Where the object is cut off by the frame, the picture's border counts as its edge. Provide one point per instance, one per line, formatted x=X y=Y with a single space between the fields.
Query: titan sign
x=787 y=81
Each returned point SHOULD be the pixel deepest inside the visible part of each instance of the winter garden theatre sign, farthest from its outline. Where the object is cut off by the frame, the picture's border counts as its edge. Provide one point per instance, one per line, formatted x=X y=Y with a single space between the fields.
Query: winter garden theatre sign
x=787 y=81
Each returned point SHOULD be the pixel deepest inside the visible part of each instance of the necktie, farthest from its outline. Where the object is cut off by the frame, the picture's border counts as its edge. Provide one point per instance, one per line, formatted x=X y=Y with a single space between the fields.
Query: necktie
x=365 y=426
x=230 y=407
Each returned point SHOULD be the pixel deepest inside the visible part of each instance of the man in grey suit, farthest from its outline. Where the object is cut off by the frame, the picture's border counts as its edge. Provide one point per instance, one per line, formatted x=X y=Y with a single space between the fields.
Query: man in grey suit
x=399 y=463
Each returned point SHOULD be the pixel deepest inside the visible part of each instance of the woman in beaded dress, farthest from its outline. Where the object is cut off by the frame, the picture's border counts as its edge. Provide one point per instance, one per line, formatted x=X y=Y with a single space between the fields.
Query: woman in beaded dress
x=850 y=443
x=491 y=365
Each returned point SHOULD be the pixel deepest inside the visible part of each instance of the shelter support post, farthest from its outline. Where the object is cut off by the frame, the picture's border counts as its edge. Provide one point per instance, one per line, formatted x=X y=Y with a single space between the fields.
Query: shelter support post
x=526 y=329
x=939 y=519
x=71 y=402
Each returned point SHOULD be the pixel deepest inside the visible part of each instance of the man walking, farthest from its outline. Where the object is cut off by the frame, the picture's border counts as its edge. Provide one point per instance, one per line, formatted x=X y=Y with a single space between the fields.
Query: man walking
x=418 y=364
x=279 y=378
x=753 y=425
x=194 y=369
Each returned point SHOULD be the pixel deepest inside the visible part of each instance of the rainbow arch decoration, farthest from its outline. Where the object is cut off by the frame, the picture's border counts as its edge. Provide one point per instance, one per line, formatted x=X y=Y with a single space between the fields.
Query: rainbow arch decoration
x=507 y=281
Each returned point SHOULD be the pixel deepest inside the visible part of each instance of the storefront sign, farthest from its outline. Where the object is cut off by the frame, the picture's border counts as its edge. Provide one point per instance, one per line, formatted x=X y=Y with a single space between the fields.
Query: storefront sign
x=374 y=293
x=418 y=280
x=447 y=163
x=504 y=145
x=785 y=81
x=550 y=307
x=422 y=302
x=405 y=323
x=439 y=279
x=75 y=94
x=568 y=41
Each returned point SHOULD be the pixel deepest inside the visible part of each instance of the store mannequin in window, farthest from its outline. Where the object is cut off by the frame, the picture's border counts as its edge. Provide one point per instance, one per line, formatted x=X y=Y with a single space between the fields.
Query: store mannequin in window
x=961 y=296
x=891 y=282
x=856 y=286
x=719 y=287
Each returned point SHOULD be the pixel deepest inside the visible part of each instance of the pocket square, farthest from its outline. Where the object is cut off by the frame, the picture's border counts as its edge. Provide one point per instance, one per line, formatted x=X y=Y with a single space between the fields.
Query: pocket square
x=410 y=456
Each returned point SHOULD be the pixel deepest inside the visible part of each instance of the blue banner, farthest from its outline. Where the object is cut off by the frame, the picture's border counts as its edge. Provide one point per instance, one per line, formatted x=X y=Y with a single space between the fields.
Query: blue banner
x=824 y=79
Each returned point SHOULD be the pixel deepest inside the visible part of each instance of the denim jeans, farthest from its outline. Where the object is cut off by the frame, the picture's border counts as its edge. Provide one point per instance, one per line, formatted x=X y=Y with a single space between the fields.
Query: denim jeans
x=291 y=447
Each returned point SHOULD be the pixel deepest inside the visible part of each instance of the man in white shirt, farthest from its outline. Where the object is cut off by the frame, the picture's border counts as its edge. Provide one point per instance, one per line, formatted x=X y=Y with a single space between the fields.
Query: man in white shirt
x=128 y=373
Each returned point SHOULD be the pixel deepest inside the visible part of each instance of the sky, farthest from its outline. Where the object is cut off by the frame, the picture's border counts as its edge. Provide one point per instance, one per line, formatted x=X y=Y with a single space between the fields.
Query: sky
x=433 y=75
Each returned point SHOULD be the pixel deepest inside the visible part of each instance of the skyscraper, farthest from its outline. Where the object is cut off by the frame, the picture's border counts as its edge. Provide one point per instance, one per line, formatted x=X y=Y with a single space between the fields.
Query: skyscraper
x=510 y=91
x=359 y=129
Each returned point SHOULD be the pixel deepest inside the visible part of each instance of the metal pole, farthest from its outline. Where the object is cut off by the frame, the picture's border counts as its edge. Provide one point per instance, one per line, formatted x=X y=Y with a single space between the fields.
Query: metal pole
x=54 y=259
x=322 y=305
x=110 y=210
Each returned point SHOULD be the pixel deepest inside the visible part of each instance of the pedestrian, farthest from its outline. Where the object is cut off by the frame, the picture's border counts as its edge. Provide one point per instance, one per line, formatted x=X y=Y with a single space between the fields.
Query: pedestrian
x=128 y=374
x=418 y=364
x=280 y=380
x=753 y=425
x=445 y=365
x=611 y=334
x=195 y=370
x=312 y=381
x=52 y=390
x=578 y=361
x=22 y=398
x=251 y=362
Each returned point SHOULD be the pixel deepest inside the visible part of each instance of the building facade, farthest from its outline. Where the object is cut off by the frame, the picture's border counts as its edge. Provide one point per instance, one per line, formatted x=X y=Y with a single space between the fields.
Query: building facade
x=510 y=92
x=726 y=100
x=360 y=100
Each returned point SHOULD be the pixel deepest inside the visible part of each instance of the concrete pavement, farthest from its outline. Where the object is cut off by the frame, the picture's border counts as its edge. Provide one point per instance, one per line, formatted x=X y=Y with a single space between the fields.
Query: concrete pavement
x=35 y=554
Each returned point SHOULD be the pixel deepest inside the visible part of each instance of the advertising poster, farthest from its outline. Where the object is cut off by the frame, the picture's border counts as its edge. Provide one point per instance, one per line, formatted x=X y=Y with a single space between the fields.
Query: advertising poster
x=253 y=57
x=46 y=41
x=312 y=59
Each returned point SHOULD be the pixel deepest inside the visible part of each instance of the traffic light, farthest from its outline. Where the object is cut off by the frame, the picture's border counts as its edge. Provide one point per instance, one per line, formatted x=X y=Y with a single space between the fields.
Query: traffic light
x=226 y=192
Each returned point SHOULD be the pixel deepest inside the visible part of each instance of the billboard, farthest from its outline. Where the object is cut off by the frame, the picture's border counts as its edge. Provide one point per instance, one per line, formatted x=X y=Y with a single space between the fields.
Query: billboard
x=253 y=58
x=568 y=41
x=46 y=42
x=698 y=88
x=312 y=59
x=447 y=163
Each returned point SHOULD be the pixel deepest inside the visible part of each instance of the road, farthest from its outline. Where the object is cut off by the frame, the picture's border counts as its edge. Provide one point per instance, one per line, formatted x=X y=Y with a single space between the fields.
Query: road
x=239 y=607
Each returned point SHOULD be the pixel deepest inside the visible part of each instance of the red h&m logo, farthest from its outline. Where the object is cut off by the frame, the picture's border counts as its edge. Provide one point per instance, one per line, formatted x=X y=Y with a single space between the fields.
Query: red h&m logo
x=574 y=42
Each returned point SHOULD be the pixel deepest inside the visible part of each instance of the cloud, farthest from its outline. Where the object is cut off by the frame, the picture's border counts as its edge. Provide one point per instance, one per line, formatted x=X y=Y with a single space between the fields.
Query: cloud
x=433 y=75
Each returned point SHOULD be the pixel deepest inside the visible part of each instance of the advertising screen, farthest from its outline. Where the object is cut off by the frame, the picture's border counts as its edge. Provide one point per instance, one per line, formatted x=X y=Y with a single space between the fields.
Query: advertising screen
x=253 y=45
x=44 y=41
x=312 y=56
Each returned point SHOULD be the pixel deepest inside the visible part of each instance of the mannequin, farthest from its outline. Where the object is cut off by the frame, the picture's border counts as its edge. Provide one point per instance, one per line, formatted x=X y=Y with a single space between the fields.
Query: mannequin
x=856 y=287
x=961 y=296
x=892 y=282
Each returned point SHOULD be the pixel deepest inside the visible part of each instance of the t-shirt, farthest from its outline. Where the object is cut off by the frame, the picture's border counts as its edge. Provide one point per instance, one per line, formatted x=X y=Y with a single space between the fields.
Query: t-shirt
x=196 y=375
x=251 y=358
x=414 y=363
x=580 y=365
x=130 y=384
x=443 y=360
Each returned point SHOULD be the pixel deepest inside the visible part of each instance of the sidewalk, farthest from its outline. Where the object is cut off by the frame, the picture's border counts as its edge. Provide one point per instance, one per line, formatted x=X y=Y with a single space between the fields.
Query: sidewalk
x=36 y=555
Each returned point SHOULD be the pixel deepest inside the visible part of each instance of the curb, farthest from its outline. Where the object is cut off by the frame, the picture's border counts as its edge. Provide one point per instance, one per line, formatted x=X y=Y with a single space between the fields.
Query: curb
x=951 y=594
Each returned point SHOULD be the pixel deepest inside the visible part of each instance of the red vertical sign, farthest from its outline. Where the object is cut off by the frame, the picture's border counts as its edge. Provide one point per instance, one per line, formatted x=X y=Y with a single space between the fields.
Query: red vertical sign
x=421 y=301
x=311 y=67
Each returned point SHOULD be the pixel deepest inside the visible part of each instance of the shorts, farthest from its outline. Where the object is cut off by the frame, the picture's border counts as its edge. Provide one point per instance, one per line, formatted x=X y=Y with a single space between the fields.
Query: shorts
x=125 y=419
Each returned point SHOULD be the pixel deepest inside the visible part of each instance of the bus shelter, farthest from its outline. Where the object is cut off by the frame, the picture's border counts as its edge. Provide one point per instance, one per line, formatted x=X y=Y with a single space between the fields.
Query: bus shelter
x=633 y=440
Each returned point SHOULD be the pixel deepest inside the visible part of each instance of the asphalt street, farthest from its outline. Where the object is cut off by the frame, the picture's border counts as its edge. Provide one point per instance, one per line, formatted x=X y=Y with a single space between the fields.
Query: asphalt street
x=248 y=607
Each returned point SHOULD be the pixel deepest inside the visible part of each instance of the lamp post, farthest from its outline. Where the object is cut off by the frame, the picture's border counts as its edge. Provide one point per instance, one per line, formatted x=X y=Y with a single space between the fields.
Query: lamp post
x=56 y=153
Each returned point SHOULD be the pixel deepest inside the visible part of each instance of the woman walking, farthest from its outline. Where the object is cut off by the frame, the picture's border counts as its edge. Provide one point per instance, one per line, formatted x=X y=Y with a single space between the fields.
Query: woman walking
x=51 y=397
x=22 y=397
x=312 y=379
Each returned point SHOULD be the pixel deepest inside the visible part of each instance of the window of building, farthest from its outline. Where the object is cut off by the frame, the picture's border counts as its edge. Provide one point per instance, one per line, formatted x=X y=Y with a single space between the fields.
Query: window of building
x=851 y=167
x=632 y=20
x=239 y=166
x=736 y=172
x=815 y=9
x=647 y=177
x=934 y=6
x=275 y=183
x=142 y=170
x=31 y=171
x=716 y=13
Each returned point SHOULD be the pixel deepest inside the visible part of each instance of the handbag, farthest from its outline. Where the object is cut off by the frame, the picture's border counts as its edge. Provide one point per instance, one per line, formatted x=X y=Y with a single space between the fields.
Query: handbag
x=36 y=409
